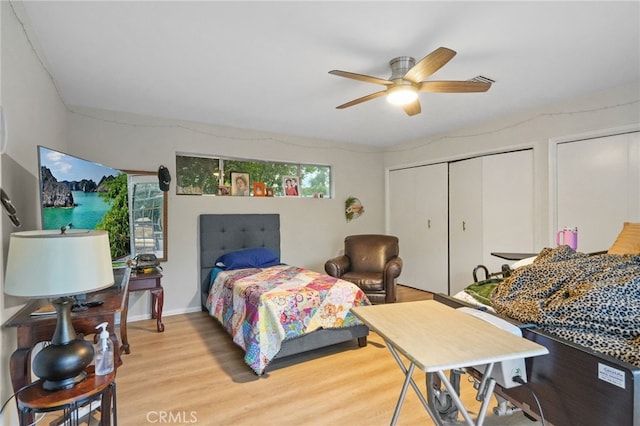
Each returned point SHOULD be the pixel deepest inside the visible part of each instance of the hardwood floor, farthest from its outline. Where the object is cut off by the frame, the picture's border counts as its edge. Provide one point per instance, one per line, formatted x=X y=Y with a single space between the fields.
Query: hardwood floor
x=194 y=374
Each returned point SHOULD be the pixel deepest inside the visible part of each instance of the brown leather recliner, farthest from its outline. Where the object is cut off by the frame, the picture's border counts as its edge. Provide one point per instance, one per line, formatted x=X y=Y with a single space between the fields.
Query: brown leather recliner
x=371 y=262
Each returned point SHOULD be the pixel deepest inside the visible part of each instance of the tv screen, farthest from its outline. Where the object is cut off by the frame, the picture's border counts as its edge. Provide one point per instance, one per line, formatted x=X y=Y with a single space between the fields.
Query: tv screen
x=82 y=194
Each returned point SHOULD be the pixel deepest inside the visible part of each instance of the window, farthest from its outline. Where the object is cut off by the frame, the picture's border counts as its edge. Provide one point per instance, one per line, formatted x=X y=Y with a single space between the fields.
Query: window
x=198 y=175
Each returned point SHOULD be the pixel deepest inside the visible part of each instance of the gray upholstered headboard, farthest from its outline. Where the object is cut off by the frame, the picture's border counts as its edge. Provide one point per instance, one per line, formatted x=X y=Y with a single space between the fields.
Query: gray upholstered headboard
x=224 y=233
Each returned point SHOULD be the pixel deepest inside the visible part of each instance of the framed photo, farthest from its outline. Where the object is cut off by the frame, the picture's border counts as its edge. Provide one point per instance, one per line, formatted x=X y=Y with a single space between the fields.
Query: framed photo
x=240 y=184
x=290 y=185
x=224 y=190
x=258 y=189
x=269 y=192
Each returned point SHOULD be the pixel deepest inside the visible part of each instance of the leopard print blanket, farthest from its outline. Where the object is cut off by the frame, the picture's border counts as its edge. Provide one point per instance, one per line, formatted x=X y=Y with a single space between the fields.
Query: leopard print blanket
x=593 y=301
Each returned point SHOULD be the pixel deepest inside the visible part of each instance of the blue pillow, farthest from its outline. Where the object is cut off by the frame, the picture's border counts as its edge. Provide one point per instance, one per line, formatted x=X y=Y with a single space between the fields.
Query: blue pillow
x=261 y=257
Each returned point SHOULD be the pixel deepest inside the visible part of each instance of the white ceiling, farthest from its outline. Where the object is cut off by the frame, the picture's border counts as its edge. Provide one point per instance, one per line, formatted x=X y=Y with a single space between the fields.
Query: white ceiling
x=264 y=65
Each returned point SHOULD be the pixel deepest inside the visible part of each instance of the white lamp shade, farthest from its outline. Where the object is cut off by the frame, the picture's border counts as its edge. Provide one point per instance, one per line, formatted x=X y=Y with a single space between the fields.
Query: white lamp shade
x=45 y=264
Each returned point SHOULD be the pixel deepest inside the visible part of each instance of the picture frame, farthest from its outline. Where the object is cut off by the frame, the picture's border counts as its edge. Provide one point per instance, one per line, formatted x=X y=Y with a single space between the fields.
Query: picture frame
x=240 y=184
x=224 y=190
x=258 y=189
x=290 y=186
x=269 y=192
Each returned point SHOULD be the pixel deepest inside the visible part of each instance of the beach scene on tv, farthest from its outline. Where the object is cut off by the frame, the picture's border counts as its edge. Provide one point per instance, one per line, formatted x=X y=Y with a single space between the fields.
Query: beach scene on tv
x=81 y=194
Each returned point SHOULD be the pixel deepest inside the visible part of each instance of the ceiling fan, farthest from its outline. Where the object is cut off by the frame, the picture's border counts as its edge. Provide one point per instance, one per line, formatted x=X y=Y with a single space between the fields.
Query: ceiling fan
x=407 y=79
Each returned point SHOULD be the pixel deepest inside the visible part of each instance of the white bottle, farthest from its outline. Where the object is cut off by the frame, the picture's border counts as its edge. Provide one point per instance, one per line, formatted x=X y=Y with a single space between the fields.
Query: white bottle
x=104 y=352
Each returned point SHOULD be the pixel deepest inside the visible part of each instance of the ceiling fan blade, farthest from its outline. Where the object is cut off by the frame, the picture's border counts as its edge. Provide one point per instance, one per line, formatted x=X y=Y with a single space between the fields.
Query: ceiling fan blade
x=429 y=64
x=453 y=86
x=361 y=77
x=362 y=99
x=412 y=108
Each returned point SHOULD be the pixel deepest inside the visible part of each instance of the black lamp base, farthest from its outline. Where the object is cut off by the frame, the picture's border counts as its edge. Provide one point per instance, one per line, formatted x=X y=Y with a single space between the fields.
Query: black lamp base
x=54 y=385
x=61 y=364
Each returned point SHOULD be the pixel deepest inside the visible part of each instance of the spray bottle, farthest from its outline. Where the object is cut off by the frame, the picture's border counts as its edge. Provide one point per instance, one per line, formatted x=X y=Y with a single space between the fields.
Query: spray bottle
x=104 y=352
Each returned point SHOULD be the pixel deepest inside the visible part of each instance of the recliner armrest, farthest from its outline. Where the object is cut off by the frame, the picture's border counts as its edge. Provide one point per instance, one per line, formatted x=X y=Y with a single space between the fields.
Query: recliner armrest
x=337 y=266
x=393 y=268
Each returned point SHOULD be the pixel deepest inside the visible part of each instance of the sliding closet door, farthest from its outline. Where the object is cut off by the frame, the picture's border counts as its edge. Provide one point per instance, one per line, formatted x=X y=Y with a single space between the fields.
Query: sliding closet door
x=598 y=187
x=508 y=205
x=465 y=224
x=418 y=217
x=491 y=208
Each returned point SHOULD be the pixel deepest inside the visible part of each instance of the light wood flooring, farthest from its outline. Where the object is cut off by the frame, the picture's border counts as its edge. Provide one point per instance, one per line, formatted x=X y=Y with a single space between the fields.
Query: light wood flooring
x=194 y=374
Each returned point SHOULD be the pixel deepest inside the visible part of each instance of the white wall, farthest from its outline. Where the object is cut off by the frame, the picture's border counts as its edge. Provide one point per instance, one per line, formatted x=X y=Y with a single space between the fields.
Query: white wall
x=610 y=109
x=312 y=230
x=34 y=115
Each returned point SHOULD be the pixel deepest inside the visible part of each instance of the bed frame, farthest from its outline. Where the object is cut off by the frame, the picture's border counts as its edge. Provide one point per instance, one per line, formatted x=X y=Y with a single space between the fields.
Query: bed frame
x=571 y=383
x=223 y=233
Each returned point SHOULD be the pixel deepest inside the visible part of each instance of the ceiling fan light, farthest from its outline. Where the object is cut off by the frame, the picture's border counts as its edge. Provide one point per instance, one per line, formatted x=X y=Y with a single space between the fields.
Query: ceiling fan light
x=402 y=95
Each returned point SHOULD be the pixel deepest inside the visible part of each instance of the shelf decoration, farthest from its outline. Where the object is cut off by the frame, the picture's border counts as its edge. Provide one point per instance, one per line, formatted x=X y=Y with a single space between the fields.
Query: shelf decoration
x=259 y=189
x=353 y=208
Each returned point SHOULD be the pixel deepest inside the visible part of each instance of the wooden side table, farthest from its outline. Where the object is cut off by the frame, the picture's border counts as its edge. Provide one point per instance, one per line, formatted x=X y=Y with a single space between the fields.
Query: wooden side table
x=139 y=281
x=35 y=399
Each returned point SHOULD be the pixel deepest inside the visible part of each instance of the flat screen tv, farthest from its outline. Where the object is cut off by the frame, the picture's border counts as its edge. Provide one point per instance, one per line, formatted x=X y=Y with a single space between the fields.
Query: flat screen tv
x=81 y=194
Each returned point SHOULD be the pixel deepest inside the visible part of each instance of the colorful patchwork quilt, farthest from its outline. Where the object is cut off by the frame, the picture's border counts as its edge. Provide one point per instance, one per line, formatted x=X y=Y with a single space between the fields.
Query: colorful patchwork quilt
x=261 y=308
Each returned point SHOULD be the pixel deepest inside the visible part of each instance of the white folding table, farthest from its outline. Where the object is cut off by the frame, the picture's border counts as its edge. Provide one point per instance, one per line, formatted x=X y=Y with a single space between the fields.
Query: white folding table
x=436 y=338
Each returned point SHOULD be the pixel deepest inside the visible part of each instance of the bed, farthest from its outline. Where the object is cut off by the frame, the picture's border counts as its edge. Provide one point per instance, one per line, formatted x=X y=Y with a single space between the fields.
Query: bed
x=586 y=310
x=222 y=236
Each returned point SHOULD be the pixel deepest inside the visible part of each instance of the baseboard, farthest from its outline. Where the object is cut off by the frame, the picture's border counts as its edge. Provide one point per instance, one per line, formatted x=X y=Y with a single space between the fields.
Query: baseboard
x=143 y=317
x=414 y=288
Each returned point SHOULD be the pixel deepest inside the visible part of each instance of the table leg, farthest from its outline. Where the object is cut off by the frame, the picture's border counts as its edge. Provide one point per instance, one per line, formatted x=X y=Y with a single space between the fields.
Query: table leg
x=408 y=372
x=117 y=349
x=157 y=303
x=72 y=414
x=115 y=405
x=403 y=393
x=26 y=417
x=123 y=327
x=485 y=401
x=154 y=302
x=107 y=408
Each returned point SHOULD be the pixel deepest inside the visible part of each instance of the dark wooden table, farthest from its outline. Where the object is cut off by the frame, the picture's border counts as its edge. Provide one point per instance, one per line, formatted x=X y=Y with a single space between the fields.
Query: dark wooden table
x=33 y=329
x=35 y=399
x=139 y=281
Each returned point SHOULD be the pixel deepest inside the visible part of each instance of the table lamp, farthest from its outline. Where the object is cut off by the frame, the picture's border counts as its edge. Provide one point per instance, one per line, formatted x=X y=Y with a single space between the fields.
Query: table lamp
x=58 y=265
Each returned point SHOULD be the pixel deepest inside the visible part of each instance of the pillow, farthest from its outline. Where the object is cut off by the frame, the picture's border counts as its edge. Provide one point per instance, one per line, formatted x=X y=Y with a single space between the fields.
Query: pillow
x=260 y=257
x=628 y=241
